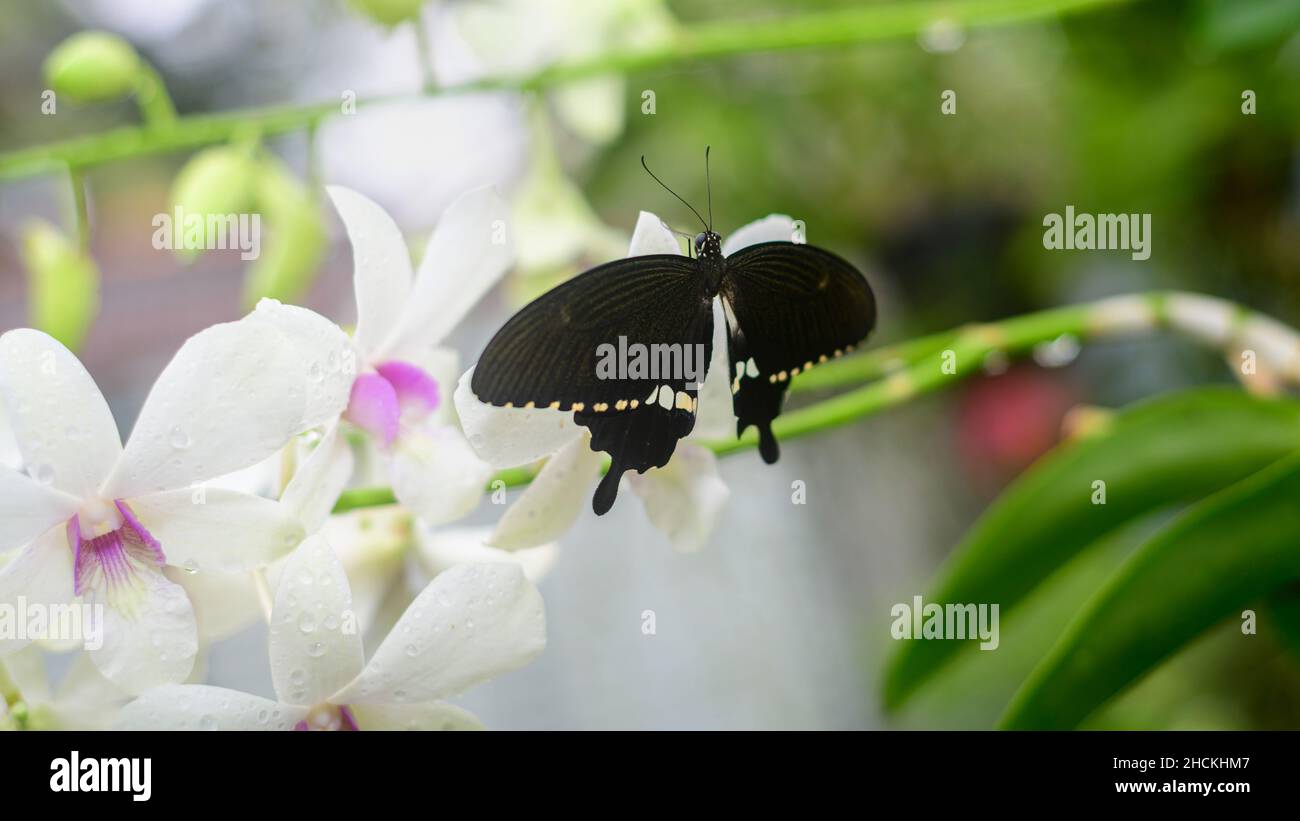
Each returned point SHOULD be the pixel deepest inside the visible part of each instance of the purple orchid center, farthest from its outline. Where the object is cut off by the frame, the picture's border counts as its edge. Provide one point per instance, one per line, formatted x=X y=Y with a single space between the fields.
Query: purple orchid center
x=324 y=717
x=394 y=393
x=112 y=559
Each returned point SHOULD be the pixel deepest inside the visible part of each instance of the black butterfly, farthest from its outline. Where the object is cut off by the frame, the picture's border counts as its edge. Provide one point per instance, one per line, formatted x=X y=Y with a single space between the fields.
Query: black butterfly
x=788 y=307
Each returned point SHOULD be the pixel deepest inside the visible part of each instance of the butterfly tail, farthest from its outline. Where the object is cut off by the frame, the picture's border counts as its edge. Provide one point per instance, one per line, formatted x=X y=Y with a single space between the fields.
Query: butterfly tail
x=607 y=491
x=767 y=446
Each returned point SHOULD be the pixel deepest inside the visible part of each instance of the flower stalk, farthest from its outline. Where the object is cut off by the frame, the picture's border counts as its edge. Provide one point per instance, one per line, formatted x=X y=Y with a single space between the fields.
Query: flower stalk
x=896 y=374
x=164 y=132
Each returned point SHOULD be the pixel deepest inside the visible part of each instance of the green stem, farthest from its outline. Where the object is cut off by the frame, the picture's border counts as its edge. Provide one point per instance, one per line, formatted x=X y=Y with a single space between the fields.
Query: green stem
x=424 y=50
x=81 y=214
x=901 y=373
x=156 y=108
x=701 y=41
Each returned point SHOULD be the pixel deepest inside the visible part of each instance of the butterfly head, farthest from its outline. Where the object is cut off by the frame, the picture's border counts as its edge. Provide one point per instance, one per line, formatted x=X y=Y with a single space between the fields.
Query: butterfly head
x=708 y=245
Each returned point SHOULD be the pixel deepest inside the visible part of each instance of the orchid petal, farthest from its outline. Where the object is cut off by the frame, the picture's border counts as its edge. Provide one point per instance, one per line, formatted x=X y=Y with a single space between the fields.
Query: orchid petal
x=316 y=353
x=652 y=236
x=214 y=530
x=28 y=509
x=507 y=437
x=381 y=266
x=434 y=715
x=200 y=707
x=442 y=365
x=473 y=622
x=553 y=500
x=26 y=671
x=40 y=573
x=234 y=394
x=772 y=228
x=684 y=498
x=154 y=643
x=437 y=474
x=58 y=417
x=716 y=418
x=439 y=549
x=319 y=481
x=417 y=391
x=223 y=603
x=314 y=649
x=467 y=255
x=84 y=687
x=373 y=407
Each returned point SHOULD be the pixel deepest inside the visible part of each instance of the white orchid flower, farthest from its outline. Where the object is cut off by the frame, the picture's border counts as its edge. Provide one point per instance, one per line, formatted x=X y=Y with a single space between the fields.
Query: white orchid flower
x=98 y=522
x=397 y=395
x=390 y=556
x=83 y=700
x=473 y=622
x=682 y=499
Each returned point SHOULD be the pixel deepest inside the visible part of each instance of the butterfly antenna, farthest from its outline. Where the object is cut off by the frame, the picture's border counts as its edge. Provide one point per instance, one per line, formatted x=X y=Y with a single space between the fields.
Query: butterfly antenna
x=708 y=184
x=687 y=234
x=674 y=193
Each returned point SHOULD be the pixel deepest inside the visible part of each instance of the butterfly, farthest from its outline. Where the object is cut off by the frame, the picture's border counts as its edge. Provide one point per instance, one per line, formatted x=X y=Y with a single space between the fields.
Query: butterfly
x=788 y=307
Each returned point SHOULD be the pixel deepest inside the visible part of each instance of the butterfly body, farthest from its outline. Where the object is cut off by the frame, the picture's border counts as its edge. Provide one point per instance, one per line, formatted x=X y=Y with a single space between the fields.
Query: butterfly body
x=788 y=306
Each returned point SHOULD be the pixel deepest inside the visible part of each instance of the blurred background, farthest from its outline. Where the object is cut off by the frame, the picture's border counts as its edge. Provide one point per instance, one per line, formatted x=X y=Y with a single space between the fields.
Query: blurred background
x=783 y=620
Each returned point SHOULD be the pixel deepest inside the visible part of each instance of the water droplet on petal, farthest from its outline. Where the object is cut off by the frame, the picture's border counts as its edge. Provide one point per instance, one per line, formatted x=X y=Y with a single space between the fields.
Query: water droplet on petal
x=178 y=438
x=316 y=649
x=307 y=623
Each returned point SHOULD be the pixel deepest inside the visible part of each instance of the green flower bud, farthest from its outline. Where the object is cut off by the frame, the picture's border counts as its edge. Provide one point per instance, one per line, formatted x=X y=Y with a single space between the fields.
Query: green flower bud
x=92 y=66
x=293 y=251
x=215 y=181
x=63 y=292
x=389 y=12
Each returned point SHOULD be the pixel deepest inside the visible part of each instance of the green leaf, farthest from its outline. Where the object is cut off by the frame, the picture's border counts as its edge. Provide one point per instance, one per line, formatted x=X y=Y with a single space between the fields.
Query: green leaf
x=63 y=291
x=1235 y=547
x=1173 y=449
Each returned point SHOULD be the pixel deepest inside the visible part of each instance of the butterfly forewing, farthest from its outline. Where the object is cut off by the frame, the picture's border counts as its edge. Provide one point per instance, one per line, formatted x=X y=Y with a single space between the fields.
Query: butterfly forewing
x=621 y=347
x=790 y=307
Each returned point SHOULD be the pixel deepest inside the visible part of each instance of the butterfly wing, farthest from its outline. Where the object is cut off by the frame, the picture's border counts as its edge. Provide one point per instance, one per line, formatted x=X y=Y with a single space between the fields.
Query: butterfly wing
x=789 y=306
x=563 y=351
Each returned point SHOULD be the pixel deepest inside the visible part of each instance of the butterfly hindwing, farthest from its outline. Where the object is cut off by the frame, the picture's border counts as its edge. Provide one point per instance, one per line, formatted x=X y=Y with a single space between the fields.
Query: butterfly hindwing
x=789 y=307
x=555 y=353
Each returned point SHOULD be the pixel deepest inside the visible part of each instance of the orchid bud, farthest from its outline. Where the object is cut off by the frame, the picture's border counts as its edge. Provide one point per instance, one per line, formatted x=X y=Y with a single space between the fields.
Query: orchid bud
x=296 y=243
x=389 y=12
x=216 y=181
x=93 y=66
x=63 y=284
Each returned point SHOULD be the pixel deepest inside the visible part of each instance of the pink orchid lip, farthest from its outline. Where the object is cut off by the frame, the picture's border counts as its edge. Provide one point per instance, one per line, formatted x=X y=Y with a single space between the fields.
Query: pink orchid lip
x=348 y=722
x=381 y=399
x=113 y=553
